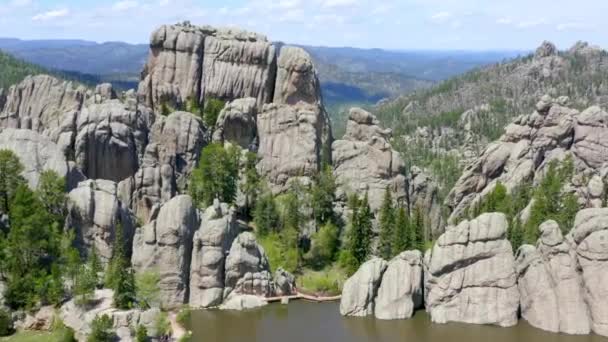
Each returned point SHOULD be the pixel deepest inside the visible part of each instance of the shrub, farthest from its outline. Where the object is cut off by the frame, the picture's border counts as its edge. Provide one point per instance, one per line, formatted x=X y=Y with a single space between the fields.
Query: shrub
x=101 y=330
x=6 y=323
x=141 y=334
x=183 y=316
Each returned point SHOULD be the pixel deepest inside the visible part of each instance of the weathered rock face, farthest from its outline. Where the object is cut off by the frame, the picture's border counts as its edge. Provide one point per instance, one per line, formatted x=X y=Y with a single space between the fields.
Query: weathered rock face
x=292 y=142
x=237 y=123
x=551 y=290
x=423 y=194
x=590 y=243
x=364 y=160
x=36 y=152
x=523 y=153
x=175 y=145
x=360 y=290
x=125 y=323
x=94 y=211
x=212 y=241
x=189 y=62
x=400 y=291
x=246 y=261
x=104 y=92
x=165 y=246
x=470 y=274
x=39 y=102
x=296 y=78
x=285 y=283
x=108 y=140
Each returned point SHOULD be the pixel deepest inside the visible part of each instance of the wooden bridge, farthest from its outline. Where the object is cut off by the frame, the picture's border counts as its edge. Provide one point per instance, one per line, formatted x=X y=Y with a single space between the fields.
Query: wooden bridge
x=300 y=295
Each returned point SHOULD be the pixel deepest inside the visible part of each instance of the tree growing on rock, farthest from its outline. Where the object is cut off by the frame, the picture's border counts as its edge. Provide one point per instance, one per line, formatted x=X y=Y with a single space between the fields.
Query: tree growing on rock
x=10 y=178
x=387 y=223
x=102 y=330
x=216 y=176
x=359 y=235
x=266 y=215
x=323 y=196
x=251 y=185
x=211 y=111
x=400 y=240
x=119 y=275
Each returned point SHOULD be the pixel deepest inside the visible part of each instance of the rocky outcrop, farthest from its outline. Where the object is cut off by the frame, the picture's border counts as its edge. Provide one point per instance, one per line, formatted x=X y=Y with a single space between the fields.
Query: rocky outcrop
x=165 y=246
x=546 y=49
x=212 y=241
x=285 y=283
x=296 y=78
x=104 y=92
x=590 y=244
x=125 y=323
x=247 y=268
x=237 y=123
x=364 y=160
x=470 y=274
x=361 y=289
x=39 y=102
x=107 y=140
x=400 y=291
x=423 y=194
x=36 y=152
x=94 y=211
x=175 y=144
x=550 y=287
x=530 y=143
x=193 y=63
x=292 y=140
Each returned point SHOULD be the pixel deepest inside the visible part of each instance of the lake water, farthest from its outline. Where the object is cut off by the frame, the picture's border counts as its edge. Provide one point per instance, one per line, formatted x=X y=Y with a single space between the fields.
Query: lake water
x=302 y=321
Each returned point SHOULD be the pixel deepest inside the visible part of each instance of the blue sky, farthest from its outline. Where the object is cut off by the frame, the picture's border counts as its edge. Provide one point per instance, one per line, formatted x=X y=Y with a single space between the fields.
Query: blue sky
x=389 y=24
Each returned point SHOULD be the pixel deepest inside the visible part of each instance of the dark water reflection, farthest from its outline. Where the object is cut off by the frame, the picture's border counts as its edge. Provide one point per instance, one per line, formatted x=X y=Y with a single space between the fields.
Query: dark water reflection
x=310 y=322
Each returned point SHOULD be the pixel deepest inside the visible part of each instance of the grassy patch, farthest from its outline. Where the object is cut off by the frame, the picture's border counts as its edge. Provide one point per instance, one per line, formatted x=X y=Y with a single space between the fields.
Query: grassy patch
x=328 y=281
x=35 y=336
x=278 y=254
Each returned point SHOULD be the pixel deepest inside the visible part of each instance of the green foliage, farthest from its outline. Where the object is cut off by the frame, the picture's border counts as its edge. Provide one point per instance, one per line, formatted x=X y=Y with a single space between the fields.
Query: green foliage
x=147 y=289
x=291 y=204
x=216 y=176
x=29 y=250
x=281 y=250
x=119 y=275
x=266 y=215
x=6 y=323
x=162 y=326
x=387 y=225
x=141 y=334
x=101 y=330
x=212 y=110
x=51 y=192
x=251 y=186
x=359 y=234
x=417 y=224
x=325 y=245
x=15 y=70
x=328 y=281
x=187 y=337
x=62 y=332
x=400 y=241
x=10 y=177
x=183 y=316
x=323 y=196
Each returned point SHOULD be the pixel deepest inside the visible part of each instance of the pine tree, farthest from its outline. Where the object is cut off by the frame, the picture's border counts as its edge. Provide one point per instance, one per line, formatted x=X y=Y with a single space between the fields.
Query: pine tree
x=417 y=231
x=401 y=232
x=216 y=175
x=265 y=214
x=252 y=182
x=292 y=207
x=387 y=223
x=360 y=230
x=323 y=196
x=10 y=178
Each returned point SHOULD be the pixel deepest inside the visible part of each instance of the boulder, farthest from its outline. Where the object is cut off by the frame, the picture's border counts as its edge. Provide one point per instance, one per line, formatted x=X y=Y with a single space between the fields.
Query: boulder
x=400 y=291
x=245 y=256
x=550 y=287
x=285 y=283
x=39 y=102
x=104 y=92
x=94 y=211
x=240 y=302
x=470 y=274
x=360 y=290
x=292 y=140
x=175 y=144
x=212 y=241
x=41 y=320
x=546 y=49
x=125 y=322
x=364 y=160
x=296 y=78
x=36 y=152
x=237 y=123
x=165 y=246
x=590 y=243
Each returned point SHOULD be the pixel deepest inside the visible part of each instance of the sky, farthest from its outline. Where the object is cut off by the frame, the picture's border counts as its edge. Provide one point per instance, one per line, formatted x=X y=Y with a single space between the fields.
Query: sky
x=387 y=24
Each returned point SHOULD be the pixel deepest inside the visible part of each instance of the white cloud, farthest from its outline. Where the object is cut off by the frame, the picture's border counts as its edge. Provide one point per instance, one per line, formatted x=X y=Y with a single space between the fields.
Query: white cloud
x=288 y=4
x=572 y=26
x=504 y=21
x=21 y=3
x=338 y=3
x=531 y=23
x=441 y=16
x=164 y=2
x=60 y=13
x=125 y=5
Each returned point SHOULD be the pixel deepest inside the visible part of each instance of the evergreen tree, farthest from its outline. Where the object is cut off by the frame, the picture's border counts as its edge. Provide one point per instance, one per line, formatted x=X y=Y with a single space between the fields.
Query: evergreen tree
x=101 y=330
x=323 y=196
x=10 y=178
x=265 y=214
x=125 y=291
x=401 y=232
x=51 y=192
x=359 y=241
x=216 y=175
x=211 y=111
x=325 y=245
x=417 y=230
x=252 y=181
x=292 y=207
x=387 y=223
x=116 y=266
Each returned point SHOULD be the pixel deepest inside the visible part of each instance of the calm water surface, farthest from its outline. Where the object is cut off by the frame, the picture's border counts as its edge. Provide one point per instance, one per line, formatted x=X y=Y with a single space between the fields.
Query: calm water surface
x=312 y=322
